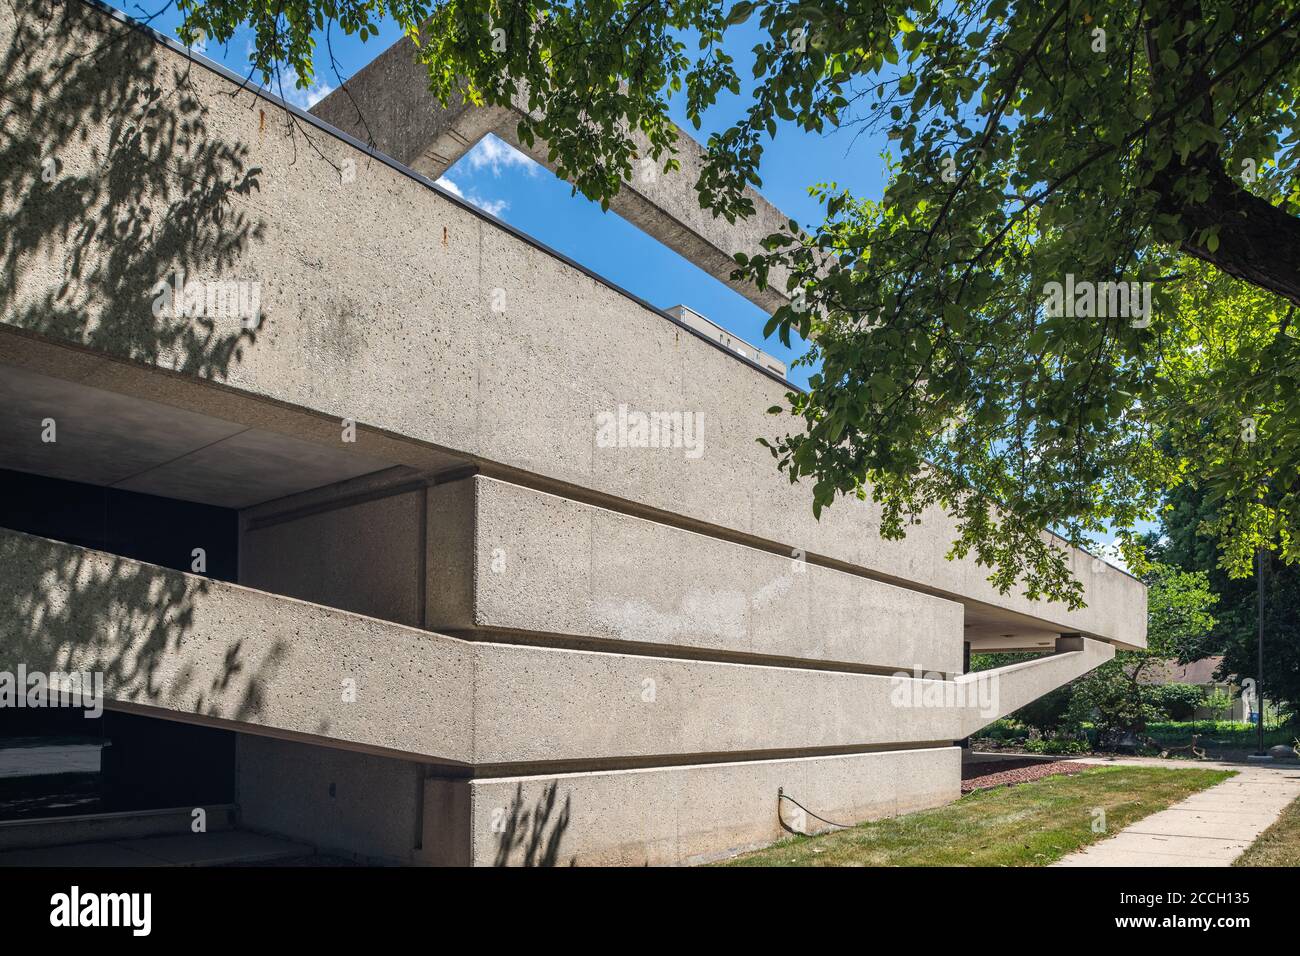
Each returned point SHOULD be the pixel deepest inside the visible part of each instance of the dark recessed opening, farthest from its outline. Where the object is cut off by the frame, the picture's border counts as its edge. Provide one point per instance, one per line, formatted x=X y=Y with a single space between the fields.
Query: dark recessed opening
x=162 y=531
x=59 y=762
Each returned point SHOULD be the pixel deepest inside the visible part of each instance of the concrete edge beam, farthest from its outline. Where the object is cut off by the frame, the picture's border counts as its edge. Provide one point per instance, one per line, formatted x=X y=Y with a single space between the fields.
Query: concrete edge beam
x=673 y=815
x=179 y=644
x=1016 y=685
x=536 y=562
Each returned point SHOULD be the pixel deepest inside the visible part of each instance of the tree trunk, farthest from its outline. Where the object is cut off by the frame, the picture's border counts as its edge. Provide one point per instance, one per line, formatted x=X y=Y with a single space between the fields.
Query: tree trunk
x=1258 y=242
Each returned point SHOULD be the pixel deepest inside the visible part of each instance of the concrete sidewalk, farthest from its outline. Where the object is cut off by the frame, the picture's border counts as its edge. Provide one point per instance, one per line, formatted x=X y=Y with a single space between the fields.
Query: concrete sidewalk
x=1210 y=828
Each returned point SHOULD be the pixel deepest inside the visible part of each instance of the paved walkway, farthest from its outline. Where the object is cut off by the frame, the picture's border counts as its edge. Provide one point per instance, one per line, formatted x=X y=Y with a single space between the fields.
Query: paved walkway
x=1210 y=828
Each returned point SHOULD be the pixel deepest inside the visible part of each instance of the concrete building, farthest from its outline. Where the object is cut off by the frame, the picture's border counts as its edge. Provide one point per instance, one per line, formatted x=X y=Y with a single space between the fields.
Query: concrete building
x=689 y=317
x=397 y=535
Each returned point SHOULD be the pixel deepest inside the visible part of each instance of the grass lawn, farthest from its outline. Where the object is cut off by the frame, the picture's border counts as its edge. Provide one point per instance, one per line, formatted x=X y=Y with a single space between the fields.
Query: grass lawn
x=1279 y=845
x=1031 y=824
x=1228 y=734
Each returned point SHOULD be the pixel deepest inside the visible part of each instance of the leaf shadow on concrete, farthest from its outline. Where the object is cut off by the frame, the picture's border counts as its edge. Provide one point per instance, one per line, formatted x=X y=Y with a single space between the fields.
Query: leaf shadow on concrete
x=111 y=181
x=64 y=608
x=532 y=835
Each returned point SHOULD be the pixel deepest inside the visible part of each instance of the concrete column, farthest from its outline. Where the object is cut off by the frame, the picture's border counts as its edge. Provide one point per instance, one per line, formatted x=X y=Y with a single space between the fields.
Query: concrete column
x=1069 y=642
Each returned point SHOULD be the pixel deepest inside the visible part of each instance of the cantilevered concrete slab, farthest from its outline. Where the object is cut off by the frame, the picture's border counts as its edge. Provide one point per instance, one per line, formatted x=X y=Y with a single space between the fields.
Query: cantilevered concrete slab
x=131 y=443
x=388 y=104
x=196 y=649
x=226 y=654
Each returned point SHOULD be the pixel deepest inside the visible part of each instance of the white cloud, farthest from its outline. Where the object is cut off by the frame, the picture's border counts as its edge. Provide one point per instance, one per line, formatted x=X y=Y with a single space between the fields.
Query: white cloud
x=301 y=98
x=494 y=207
x=284 y=82
x=495 y=155
x=491 y=154
x=1110 y=553
x=451 y=187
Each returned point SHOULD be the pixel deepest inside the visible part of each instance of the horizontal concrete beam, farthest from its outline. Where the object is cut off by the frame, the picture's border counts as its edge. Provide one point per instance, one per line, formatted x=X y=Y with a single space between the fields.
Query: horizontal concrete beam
x=193 y=648
x=375 y=324
x=673 y=815
x=388 y=104
x=538 y=705
x=536 y=562
x=188 y=647
x=1023 y=683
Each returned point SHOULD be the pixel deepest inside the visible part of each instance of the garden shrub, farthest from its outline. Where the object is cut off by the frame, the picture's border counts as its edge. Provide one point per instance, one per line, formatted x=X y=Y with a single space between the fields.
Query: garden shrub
x=1058 y=745
x=1115 y=704
x=1049 y=713
x=1176 y=701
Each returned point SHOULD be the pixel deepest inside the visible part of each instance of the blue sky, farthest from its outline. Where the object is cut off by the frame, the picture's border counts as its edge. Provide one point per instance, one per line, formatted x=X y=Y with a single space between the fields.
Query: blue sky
x=531 y=198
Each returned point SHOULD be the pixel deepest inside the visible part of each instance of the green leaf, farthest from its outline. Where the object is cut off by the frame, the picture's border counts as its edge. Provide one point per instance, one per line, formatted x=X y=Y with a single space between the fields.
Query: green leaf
x=741 y=12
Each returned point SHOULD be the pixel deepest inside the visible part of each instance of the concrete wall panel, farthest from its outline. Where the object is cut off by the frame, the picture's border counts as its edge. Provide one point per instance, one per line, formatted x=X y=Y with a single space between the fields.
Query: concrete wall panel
x=364 y=557
x=547 y=564
x=369 y=808
x=356 y=805
x=682 y=815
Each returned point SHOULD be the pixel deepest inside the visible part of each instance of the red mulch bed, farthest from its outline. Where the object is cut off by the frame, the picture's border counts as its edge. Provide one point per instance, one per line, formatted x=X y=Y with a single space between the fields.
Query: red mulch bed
x=1008 y=773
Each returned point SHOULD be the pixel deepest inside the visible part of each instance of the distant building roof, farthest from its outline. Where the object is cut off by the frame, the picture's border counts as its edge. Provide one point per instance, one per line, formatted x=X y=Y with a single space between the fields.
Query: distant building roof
x=1169 y=672
x=688 y=316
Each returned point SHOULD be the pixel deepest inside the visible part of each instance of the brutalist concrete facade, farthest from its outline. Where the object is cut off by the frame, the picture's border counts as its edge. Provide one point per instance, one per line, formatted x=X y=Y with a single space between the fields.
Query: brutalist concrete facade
x=467 y=628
